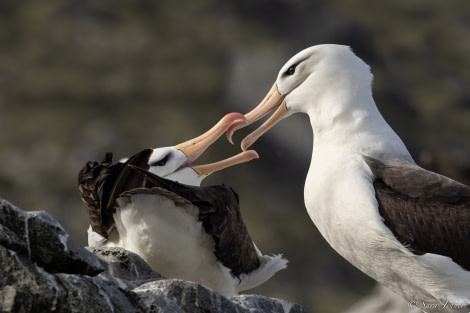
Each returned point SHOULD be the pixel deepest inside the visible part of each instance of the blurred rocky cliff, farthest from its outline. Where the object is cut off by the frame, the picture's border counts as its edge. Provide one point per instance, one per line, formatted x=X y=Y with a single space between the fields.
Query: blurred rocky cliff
x=80 y=78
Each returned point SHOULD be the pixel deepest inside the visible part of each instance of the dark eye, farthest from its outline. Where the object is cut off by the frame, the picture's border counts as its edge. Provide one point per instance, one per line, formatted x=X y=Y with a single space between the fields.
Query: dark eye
x=161 y=162
x=291 y=70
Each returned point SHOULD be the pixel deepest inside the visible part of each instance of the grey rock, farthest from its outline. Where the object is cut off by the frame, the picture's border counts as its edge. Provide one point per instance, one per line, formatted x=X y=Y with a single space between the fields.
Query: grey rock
x=263 y=304
x=192 y=297
x=124 y=267
x=92 y=294
x=44 y=270
x=24 y=285
x=41 y=238
x=188 y=296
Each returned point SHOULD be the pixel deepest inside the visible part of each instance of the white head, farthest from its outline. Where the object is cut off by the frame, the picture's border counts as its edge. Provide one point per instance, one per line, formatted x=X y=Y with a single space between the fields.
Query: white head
x=171 y=163
x=317 y=73
x=175 y=163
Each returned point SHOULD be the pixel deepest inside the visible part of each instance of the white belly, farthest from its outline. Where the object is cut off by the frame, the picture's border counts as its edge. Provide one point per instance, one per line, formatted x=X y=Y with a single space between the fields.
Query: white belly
x=171 y=240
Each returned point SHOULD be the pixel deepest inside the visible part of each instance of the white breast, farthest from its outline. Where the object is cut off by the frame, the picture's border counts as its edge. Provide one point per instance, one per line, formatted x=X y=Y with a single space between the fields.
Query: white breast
x=171 y=240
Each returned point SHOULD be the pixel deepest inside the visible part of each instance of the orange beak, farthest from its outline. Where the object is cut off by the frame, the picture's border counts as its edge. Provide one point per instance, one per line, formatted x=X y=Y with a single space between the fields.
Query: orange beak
x=273 y=100
x=195 y=147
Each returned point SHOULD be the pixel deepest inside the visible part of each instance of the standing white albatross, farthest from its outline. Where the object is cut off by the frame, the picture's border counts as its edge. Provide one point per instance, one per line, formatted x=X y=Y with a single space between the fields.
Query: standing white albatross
x=181 y=230
x=406 y=227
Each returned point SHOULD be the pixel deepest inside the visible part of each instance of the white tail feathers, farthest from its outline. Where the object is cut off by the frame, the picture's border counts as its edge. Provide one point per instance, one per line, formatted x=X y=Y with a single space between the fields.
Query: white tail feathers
x=269 y=266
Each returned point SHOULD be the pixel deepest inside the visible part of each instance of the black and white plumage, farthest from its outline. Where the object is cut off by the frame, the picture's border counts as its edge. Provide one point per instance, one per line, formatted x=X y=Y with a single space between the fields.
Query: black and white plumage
x=182 y=231
x=404 y=226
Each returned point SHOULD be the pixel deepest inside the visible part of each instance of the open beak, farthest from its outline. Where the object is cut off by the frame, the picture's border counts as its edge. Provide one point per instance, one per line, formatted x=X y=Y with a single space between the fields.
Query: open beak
x=273 y=100
x=195 y=147
x=210 y=168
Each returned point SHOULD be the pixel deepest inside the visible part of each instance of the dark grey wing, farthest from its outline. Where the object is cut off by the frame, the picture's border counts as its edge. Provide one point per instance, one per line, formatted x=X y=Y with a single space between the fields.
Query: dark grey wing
x=124 y=179
x=219 y=212
x=90 y=180
x=427 y=212
x=100 y=183
x=178 y=200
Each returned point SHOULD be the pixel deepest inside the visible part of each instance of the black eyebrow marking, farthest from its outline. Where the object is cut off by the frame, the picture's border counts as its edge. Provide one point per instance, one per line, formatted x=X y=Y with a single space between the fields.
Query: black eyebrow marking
x=161 y=162
x=291 y=69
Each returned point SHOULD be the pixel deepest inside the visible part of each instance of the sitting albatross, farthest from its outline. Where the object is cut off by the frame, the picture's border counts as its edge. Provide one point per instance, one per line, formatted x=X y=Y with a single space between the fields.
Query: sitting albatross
x=406 y=227
x=181 y=230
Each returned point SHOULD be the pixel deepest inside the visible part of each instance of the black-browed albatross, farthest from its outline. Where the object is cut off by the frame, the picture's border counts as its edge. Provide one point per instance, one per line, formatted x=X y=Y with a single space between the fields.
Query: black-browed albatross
x=404 y=226
x=182 y=230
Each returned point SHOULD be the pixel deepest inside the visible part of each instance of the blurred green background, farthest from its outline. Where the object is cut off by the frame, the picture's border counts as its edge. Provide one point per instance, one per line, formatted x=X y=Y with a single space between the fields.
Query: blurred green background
x=80 y=78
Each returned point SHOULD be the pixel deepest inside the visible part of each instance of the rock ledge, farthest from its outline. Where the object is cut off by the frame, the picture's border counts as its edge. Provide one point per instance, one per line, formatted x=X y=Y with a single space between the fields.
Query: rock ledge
x=44 y=270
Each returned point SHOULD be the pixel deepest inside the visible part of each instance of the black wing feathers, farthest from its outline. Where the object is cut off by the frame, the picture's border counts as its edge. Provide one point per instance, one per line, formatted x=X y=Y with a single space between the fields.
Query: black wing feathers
x=428 y=212
x=91 y=179
x=101 y=183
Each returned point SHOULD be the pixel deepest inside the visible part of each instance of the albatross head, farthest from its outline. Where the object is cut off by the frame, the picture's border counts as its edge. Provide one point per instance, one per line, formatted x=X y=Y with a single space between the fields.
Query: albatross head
x=318 y=81
x=175 y=163
x=171 y=163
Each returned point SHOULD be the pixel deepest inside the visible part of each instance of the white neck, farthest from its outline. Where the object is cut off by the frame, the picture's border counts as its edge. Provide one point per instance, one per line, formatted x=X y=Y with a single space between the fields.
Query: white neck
x=356 y=129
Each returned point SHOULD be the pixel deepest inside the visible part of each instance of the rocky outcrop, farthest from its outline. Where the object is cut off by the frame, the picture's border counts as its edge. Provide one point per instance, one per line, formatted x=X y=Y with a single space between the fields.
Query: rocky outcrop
x=44 y=270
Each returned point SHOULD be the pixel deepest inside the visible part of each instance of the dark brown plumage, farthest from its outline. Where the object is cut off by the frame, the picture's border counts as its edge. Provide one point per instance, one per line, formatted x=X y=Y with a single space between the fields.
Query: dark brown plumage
x=100 y=184
x=427 y=212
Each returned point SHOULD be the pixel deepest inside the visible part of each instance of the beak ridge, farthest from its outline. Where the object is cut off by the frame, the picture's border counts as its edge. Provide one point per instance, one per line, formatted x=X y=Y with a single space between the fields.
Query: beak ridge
x=267 y=125
x=271 y=101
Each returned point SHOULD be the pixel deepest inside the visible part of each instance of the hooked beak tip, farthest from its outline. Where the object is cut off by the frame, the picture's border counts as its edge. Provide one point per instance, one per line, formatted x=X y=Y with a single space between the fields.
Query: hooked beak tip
x=246 y=143
x=234 y=126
